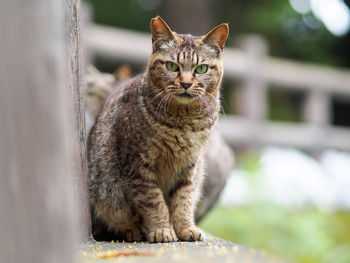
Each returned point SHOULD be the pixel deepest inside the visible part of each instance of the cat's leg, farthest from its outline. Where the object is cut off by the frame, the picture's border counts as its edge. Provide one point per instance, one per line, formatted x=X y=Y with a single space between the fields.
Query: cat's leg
x=183 y=197
x=116 y=223
x=100 y=230
x=131 y=230
x=148 y=200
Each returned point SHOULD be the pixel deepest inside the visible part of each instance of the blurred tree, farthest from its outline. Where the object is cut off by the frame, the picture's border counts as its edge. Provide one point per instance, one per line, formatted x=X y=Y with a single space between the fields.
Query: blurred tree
x=341 y=46
x=289 y=33
x=130 y=14
x=195 y=17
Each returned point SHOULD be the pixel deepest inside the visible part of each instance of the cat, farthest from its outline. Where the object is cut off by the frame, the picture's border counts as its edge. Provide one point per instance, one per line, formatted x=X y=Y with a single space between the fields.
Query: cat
x=98 y=87
x=146 y=148
x=219 y=158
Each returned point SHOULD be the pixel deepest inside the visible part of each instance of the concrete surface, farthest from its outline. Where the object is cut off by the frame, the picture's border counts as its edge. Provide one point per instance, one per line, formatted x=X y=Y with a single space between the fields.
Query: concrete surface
x=210 y=250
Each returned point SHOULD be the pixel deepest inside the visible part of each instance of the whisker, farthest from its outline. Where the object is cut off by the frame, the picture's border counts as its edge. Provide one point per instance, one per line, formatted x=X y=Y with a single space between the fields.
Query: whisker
x=160 y=105
x=149 y=94
x=206 y=104
x=167 y=101
x=213 y=97
x=200 y=102
x=213 y=106
x=215 y=100
x=173 y=89
x=222 y=104
x=157 y=96
x=201 y=90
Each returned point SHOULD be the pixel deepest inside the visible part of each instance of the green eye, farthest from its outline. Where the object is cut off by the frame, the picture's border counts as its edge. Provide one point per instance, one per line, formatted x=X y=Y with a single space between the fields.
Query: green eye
x=201 y=69
x=172 y=66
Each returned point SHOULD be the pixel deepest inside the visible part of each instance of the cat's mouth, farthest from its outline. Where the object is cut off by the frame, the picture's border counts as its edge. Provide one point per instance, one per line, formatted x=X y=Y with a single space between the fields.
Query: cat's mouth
x=185 y=95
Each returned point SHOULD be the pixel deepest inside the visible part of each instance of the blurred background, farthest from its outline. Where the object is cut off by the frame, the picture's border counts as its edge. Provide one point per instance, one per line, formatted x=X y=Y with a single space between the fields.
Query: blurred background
x=286 y=112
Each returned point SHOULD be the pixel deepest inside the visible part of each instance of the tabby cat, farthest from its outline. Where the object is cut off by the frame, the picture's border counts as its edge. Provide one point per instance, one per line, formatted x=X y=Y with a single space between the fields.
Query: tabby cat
x=218 y=158
x=145 y=150
x=98 y=86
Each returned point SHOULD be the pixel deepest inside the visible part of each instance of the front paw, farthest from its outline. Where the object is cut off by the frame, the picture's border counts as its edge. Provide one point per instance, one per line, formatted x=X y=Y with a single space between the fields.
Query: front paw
x=162 y=235
x=192 y=233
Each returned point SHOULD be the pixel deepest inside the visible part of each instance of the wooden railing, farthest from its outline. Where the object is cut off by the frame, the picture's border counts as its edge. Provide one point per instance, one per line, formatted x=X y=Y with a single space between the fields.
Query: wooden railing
x=43 y=181
x=255 y=72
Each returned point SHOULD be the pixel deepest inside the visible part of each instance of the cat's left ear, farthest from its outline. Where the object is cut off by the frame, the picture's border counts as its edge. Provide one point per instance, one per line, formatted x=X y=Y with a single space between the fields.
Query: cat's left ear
x=217 y=36
x=161 y=31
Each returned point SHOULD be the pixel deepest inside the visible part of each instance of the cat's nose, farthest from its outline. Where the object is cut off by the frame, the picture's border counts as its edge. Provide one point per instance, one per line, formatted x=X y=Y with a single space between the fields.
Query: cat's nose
x=185 y=85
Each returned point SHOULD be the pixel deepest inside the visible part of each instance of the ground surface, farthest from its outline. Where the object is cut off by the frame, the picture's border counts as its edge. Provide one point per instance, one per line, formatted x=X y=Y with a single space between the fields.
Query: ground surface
x=210 y=250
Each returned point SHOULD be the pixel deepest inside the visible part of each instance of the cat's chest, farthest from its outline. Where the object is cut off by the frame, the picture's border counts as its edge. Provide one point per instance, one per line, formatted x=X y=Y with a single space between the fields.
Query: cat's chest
x=183 y=143
x=176 y=150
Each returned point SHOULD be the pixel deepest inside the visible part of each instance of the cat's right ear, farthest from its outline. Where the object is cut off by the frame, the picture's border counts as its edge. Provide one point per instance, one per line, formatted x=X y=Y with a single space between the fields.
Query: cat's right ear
x=161 y=32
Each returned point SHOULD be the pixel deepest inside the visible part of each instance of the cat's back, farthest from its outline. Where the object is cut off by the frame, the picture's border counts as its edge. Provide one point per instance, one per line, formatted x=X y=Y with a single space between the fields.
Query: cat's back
x=123 y=94
x=119 y=103
x=113 y=127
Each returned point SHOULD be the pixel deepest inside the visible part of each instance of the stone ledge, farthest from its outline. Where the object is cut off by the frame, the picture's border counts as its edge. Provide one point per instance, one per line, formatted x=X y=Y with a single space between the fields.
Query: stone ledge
x=210 y=250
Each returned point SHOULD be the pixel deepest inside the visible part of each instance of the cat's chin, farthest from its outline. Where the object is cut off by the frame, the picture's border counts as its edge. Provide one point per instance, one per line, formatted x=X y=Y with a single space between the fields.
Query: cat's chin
x=184 y=98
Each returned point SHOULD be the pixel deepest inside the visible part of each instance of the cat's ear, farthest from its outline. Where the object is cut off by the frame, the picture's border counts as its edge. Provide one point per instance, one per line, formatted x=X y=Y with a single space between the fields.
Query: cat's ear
x=122 y=73
x=160 y=30
x=217 y=36
x=93 y=70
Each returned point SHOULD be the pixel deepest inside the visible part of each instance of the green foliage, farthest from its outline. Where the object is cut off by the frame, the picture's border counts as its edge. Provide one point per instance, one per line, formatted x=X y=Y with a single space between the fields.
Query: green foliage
x=308 y=236
x=249 y=162
x=286 y=31
x=305 y=236
x=126 y=14
x=285 y=106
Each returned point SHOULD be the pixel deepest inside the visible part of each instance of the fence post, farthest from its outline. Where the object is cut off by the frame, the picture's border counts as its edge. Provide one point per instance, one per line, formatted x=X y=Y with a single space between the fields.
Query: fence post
x=38 y=222
x=76 y=87
x=252 y=94
x=317 y=107
x=316 y=111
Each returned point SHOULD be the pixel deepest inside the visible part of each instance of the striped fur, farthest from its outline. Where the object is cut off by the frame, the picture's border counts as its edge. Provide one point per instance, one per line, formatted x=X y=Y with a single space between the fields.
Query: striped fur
x=145 y=150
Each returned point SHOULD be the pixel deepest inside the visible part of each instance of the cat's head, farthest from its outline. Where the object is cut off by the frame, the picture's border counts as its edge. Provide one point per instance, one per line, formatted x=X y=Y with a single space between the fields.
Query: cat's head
x=99 y=85
x=186 y=66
